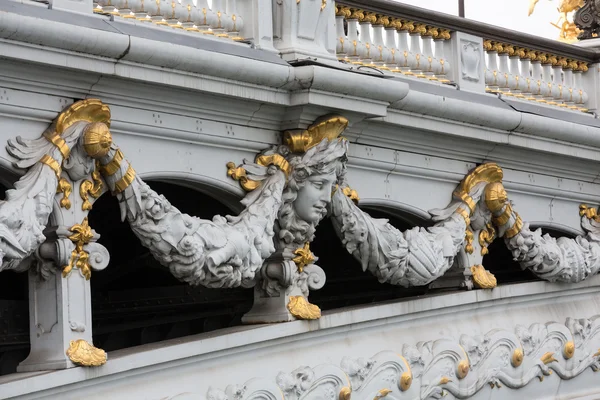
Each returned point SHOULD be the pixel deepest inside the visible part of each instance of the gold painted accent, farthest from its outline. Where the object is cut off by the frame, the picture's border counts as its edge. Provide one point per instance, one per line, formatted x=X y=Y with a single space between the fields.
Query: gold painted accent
x=93 y=189
x=323 y=4
x=330 y=128
x=113 y=166
x=569 y=350
x=343 y=12
x=462 y=369
x=64 y=187
x=469 y=241
x=517 y=358
x=368 y=16
x=465 y=198
x=489 y=172
x=464 y=214
x=52 y=163
x=300 y=308
x=345 y=393
x=91 y=110
x=444 y=380
x=486 y=237
x=356 y=13
x=597 y=354
x=405 y=381
x=303 y=257
x=277 y=160
x=381 y=20
x=589 y=212
x=97 y=140
x=239 y=174
x=483 y=278
x=82 y=235
x=487 y=45
x=504 y=217
x=59 y=143
x=382 y=393
x=548 y=357
x=125 y=181
x=84 y=354
x=445 y=34
x=515 y=229
x=495 y=196
x=351 y=194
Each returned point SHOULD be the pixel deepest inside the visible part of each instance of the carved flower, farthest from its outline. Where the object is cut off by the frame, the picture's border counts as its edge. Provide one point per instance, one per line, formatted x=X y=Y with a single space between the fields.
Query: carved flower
x=157 y=207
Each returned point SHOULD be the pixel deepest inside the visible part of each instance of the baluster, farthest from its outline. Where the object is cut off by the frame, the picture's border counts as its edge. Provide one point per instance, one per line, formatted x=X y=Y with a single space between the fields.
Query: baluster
x=415 y=47
x=390 y=42
x=518 y=82
x=368 y=48
x=220 y=25
x=527 y=73
x=108 y=7
x=568 y=89
x=554 y=97
x=406 y=57
x=431 y=65
x=236 y=21
x=206 y=17
x=379 y=52
x=440 y=43
x=355 y=46
x=580 y=97
x=547 y=86
x=156 y=15
x=187 y=22
x=139 y=10
x=557 y=78
x=176 y=13
x=341 y=13
x=537 y=77
x=491 y=72
x=505 y=78
x=123 y=9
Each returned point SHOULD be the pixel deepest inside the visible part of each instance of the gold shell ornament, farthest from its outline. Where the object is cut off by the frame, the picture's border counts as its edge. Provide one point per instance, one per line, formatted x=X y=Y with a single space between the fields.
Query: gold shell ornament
x=517 y=358
x=84 y=354
x=483 y=278
x=300 y=308
x=97 y=140
x=327 y=128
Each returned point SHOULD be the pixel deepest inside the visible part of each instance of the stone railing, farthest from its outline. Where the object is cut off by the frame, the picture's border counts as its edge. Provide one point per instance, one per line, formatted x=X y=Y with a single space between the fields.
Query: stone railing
x=405 y=40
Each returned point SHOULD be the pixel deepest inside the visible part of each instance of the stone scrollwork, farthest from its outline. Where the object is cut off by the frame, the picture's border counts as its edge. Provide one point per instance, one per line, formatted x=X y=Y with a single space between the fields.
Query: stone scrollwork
x=431 y=370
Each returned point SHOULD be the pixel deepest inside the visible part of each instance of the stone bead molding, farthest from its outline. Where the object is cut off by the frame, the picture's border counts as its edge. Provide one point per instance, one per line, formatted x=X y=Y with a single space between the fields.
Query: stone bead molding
x=430 y=370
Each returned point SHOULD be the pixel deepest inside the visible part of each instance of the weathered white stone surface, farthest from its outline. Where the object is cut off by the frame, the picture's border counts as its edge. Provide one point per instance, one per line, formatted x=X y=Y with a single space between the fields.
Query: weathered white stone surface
x=218 y=359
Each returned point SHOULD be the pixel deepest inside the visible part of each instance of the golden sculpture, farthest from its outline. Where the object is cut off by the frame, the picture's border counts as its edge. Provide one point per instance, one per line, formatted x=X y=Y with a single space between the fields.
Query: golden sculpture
x=303 y=257
x=568 y=31
x=84 y=354
x=517 y=358
x=482 y=278
x=302 y=309
x=82 y=235
x=345 y=393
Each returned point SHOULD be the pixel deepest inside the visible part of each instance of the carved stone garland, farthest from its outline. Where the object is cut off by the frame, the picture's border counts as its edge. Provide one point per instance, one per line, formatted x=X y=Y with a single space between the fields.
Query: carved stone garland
x=44 y=229
x=430 y=370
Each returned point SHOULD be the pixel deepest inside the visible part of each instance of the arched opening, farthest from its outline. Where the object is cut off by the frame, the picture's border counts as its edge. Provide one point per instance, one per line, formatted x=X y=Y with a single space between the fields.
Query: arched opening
x=135 y=300
x=347 y=284
x=14 y=315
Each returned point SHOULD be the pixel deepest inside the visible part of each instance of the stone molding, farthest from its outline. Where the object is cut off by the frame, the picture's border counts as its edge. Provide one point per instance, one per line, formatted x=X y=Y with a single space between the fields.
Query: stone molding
x=431 y=370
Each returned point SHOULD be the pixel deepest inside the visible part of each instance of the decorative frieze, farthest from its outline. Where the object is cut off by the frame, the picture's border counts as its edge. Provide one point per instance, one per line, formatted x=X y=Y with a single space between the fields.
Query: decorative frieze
x=430 y=370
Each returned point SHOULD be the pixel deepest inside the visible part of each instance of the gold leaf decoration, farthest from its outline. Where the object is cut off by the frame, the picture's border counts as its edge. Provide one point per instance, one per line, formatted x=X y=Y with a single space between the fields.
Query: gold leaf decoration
x=569 y=350
x=351 y=194
x=517 y=358
x=82 y=235
x=548 y=357
x=462 y=369
x=483 y=278
x=66 y=189
x=345 y=393
x=84 y=354
x=303 y=257
x=300 y=308
x=92 y=189
x=405 y=381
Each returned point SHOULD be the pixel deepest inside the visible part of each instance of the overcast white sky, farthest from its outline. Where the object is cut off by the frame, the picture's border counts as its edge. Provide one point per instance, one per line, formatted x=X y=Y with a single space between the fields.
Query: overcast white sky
x=510 y=14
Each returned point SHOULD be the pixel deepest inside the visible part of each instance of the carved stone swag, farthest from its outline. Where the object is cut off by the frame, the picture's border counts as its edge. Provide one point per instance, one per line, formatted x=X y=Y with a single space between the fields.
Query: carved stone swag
x=291 y=187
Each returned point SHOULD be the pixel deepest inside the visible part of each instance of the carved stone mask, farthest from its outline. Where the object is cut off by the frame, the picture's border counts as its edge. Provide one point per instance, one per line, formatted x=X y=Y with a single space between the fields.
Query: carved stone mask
x=314 y=197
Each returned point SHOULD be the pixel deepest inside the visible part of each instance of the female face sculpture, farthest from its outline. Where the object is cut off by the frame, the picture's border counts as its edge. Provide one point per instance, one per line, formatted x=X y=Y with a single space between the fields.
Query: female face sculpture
x=314 y=197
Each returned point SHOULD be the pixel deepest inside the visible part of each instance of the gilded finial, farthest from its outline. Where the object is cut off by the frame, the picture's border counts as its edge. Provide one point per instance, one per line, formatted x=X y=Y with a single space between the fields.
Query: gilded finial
x=420 y=29
x=407 y=26
x=381 y=20
x=356 y=13
x=368 y=17
x=520 y=52
x=444 y=34
x=343 y=12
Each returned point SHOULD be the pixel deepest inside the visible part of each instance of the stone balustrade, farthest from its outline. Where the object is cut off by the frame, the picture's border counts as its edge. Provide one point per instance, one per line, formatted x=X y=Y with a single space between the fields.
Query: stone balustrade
x=393 y=41
x=220 y=18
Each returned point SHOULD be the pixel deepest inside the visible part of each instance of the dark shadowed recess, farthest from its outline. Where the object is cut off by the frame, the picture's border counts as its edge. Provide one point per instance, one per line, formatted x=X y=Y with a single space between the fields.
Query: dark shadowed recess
x=135 y=300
